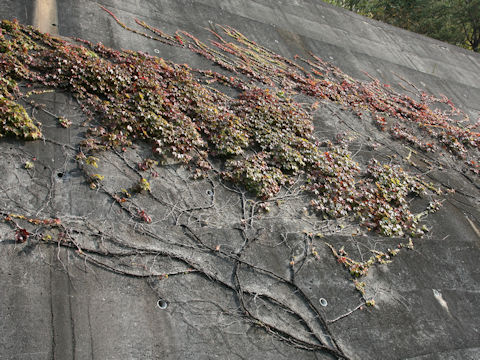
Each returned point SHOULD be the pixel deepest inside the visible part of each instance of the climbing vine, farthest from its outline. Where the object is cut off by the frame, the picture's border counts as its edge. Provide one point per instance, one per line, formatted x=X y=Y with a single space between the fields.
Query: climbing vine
x=264 y=136
x=260 y=141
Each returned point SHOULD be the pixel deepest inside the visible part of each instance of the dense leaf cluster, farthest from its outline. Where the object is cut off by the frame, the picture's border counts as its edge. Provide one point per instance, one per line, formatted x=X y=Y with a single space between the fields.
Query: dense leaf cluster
x=429 y=123
x=263 y=139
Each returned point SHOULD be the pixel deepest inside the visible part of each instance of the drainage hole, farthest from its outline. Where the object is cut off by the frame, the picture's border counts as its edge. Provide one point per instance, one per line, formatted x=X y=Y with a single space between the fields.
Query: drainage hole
x=162 y=304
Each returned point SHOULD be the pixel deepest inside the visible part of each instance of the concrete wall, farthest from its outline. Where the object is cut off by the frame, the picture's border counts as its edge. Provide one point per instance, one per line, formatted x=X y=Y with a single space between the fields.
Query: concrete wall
x=54 y=304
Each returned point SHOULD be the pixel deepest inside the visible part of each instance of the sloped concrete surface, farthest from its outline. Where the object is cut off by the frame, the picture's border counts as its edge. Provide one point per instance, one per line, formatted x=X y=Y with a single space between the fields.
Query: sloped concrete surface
x=56 y=305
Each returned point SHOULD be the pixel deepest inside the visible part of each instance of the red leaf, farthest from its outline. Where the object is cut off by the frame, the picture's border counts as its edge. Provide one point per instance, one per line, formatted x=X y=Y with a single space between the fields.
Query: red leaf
x=21 y=235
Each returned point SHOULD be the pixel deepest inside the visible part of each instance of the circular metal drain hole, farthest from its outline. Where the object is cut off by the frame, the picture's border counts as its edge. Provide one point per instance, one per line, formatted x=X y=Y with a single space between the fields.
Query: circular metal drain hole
x=162 y=304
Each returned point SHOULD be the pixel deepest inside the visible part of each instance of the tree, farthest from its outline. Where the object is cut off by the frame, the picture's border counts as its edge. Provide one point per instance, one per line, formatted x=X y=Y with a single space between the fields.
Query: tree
x=453 y=21
x=467 y=15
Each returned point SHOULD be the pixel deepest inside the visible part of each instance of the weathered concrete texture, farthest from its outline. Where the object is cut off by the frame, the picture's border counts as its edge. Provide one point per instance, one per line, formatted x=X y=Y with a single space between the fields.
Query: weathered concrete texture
x=54 y=304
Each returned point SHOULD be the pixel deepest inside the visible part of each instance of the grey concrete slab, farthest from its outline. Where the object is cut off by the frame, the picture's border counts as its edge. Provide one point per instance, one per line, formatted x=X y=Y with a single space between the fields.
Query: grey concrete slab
x=55 y=304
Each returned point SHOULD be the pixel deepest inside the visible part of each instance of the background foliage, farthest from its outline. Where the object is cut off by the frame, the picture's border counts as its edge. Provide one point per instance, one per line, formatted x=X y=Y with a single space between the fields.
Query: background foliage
x=454 y=21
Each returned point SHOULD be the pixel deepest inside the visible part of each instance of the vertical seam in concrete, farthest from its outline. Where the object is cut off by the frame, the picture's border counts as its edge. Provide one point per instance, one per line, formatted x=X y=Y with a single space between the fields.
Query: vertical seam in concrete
x=90 y=329
x=72 y=322
x=52 y=320
x=26 y=10
x=45 y=16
